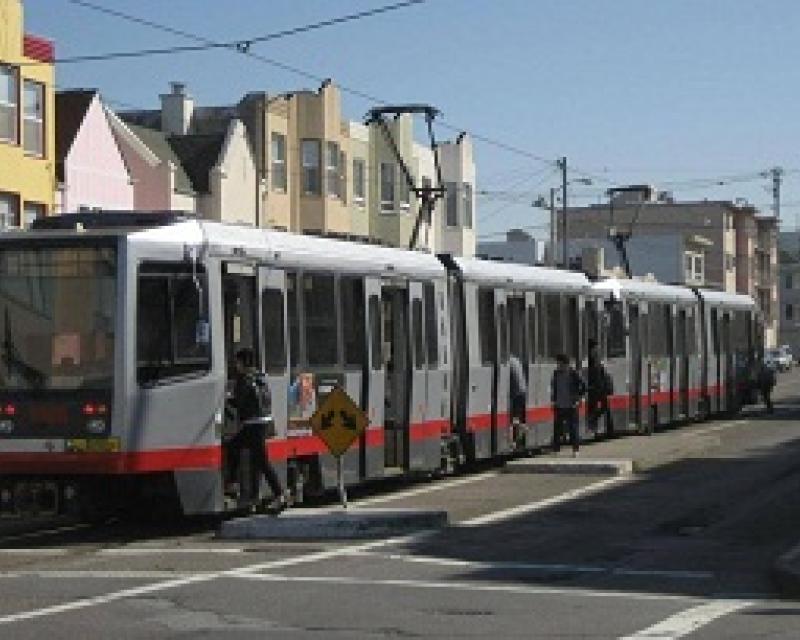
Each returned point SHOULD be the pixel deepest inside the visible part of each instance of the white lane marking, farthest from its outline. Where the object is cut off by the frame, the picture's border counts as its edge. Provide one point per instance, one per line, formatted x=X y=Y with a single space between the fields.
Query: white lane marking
x=285 y=562
x=35 y=552
x=141 y=551
x=45 y=532
x=78 y=574
x=523 y=509
x=437 y=486
x=466 y=586
x=528 y=566
x=690 y=620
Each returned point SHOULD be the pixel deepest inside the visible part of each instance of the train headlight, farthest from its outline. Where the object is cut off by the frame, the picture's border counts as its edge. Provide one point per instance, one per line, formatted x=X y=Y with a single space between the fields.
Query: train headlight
x=6 y=426
x=96 y=426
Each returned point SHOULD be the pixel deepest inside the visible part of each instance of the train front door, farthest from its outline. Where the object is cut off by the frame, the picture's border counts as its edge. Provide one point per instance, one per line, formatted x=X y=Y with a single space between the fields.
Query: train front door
x=275 y=361
x=635 y=377
x=501 y=396
x=240 y=314
x=682 y=360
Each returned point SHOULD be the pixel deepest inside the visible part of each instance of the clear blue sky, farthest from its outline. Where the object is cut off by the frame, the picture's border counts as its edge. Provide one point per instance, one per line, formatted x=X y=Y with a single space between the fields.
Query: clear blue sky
x=658 y=91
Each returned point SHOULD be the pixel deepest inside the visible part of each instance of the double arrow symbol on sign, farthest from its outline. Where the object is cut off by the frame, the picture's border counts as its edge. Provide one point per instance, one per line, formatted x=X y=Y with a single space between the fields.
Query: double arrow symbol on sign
x=346 y=420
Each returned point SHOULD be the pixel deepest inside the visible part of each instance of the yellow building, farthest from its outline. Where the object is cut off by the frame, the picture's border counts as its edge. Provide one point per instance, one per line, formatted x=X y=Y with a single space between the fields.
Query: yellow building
x=27 y=110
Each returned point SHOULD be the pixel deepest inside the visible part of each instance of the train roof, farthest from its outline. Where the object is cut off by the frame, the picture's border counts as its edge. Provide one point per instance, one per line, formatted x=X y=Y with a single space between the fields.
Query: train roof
x=522 y=276
x=295 y=250
x=725 y=299
x=645 y=290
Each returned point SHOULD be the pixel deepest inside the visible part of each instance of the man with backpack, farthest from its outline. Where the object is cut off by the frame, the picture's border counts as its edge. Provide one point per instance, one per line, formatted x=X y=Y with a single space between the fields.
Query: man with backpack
x=253 y=405
x=566 y=391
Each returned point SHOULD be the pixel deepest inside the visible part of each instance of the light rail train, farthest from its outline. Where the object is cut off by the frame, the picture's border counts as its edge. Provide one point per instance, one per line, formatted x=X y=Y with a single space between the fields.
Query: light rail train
x=119 y=331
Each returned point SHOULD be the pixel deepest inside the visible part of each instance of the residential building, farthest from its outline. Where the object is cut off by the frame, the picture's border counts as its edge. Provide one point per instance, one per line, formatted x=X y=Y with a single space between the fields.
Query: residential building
x=90 y=169
x=519 y=247
x=314 y=171
x=789 y=287
x=27 y=134
x=178 y=161
x=737 y=245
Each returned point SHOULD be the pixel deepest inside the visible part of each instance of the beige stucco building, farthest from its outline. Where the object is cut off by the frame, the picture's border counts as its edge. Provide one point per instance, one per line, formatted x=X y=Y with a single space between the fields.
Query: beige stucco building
x=736 y=245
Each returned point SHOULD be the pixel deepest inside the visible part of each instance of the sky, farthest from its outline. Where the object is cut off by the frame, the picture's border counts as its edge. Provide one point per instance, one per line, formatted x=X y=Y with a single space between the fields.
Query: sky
x=681 y=94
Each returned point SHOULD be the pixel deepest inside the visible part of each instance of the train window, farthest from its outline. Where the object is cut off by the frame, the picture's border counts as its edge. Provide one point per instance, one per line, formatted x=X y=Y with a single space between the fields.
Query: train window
x=590 y=323
x=169 y=312
x=503 y=333
x=691 y=333
x=376 y=333
x=571 y=328
x=486 y=329
x=417 y=328
x=657 y=330
x=615 y=345
x=541 y=327
x=555 y=331
x=715 y=331
x=294 y=318
x=532 y=352
x=352 y=303
x=273 y=329
x=319 y=301
x=431 y=333
x=516 y=327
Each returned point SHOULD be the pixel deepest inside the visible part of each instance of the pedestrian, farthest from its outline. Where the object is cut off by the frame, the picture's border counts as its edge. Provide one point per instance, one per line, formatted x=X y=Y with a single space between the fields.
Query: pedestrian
x=519 y=388
x=566 y=390
x=252 y=404
x=600 y=387
x=766 y=382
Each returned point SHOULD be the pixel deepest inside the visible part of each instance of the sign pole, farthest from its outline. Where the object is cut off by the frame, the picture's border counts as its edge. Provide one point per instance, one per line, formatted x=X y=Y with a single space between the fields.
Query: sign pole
x=340 y=475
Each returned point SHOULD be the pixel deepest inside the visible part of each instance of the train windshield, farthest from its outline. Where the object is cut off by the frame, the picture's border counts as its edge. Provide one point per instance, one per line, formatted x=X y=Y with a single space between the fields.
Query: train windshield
x=57 y=317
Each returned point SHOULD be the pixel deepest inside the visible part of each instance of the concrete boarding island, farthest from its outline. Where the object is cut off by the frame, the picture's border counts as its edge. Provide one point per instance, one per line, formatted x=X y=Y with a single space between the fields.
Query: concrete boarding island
x=338 y=524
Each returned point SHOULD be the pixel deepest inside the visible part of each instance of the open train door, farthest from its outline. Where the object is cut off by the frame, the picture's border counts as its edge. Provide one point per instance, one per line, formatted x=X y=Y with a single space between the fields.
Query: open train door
x=501 y=419
x=274 y=340
x=635 y=376
x=682 y=362
x=373 y=442
x=418 y=440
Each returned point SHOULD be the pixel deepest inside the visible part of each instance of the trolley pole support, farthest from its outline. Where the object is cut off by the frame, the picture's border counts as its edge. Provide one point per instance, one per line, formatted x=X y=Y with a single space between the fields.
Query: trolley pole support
x=340 y=481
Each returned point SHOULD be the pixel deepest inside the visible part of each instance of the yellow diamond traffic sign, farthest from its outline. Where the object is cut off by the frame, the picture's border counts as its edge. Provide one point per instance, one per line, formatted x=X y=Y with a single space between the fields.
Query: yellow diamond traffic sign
x=338 y=421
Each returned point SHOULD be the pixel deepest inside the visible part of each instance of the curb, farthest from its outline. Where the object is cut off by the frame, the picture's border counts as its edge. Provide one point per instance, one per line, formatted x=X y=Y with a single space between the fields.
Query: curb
x=785 y=573
x=353 y=524
x=571 y=467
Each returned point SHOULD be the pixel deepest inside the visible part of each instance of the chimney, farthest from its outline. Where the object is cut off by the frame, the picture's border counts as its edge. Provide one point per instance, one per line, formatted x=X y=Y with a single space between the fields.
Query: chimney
x=176 y=110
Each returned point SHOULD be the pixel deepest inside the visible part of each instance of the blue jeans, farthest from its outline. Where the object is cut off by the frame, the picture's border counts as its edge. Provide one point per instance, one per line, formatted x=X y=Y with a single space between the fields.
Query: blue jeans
x=565 y=418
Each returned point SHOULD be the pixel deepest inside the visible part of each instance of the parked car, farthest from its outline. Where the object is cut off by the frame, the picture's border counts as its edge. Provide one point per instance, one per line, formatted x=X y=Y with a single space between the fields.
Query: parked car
x=777 y=359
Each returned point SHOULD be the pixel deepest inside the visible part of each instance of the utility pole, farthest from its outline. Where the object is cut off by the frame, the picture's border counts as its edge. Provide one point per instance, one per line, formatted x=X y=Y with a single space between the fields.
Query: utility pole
x=777 y=178
x=552 y=257
x=562 y=164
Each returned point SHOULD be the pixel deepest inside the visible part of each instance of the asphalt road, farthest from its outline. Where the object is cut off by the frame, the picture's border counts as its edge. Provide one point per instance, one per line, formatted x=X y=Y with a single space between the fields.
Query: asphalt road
x=681 y=549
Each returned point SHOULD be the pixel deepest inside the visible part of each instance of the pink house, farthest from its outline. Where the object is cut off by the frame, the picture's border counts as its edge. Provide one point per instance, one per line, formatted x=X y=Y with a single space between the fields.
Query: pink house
x=90 y=169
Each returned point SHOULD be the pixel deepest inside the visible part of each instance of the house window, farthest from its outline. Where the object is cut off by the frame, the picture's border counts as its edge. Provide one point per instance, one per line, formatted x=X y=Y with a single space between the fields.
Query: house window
x=787 y=283
x=278 y=162
x=359 y=186
x=33 y=131
x=8 y=103
x=698 y=267
x=688 y=268
x=789 y=312
x=467 y=205
x=33 y=211
x=9 y=210
x=451 y=206
x=343 y=177
x=730 y=262
x=387 y=186
x=310 y=159
x=332 y=168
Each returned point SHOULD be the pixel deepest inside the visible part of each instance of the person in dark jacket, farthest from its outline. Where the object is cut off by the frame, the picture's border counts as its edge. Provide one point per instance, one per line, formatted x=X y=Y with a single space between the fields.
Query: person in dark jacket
x=566 y=391
x=599 y=388
x=251 y=402
x=766 y=382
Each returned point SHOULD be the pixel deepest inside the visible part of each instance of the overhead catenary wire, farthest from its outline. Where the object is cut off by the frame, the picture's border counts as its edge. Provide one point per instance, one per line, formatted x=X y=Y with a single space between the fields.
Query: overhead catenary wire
x=357 y=93
x=241 y=45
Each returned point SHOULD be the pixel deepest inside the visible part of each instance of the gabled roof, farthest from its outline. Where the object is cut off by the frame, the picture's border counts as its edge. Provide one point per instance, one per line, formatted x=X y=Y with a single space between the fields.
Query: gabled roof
x=198 y=154
x=159 y=144
x=71 y=108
